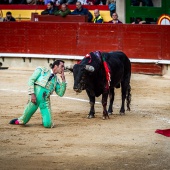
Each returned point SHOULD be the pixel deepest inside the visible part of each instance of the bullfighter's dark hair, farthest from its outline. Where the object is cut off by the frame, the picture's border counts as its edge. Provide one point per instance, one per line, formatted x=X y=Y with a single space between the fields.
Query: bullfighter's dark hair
x=57 y=62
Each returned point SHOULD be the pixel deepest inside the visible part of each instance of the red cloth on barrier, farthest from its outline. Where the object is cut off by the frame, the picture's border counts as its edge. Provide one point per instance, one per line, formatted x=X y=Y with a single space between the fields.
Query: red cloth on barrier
x=165 y=132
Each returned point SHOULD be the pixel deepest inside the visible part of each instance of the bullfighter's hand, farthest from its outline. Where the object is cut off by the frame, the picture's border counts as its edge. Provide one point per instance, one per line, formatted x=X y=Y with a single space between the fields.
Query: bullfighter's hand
x=63 y=77
x=33 y=98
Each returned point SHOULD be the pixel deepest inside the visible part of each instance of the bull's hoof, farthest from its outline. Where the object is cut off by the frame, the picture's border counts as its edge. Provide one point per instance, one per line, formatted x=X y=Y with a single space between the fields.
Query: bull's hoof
x=90 y=116
x=110 y=113
x=105 y=117
x=122 y=113
x=128 y=109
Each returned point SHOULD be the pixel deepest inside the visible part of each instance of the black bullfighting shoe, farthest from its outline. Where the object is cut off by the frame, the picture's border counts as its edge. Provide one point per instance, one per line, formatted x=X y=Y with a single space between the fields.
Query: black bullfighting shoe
x=14 y=121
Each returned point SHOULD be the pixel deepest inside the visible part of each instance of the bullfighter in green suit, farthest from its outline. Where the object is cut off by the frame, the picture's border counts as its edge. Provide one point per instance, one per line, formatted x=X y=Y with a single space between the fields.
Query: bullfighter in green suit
x=41 y=84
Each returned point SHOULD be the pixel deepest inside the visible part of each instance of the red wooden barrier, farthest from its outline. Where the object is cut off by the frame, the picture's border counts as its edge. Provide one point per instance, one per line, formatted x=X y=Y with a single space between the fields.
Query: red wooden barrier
x=53 y=18
x=147 y=68
x=137 y=41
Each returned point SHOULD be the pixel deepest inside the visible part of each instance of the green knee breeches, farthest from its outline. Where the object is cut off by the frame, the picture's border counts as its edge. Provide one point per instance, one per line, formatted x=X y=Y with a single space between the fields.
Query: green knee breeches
x=43 y=102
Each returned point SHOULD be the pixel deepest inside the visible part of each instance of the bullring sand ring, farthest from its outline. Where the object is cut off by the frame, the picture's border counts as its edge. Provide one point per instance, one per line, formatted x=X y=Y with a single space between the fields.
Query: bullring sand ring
x=120 y=143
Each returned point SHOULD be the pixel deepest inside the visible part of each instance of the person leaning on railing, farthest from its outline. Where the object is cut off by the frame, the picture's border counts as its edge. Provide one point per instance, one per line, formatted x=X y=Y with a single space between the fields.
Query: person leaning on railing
x=139 y=20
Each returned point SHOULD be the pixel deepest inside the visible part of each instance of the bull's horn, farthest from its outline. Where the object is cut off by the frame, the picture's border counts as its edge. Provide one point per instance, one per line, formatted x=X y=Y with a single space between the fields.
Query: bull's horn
x=89 y=68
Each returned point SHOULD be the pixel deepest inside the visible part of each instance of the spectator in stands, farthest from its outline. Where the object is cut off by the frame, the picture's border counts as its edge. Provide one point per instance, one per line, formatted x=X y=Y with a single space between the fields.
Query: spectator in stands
x=135 y=2
x=115 y=19
x=99 y=2
x=24 y=2
x=60 y=2
x=112 y=6
x=36 y=2
x=98 y=18
x=71 y=2
x=63 y=11
x=67 y=2
x=147 y=3
x=82 y=11
x=91 y=2
x=142 y=2
x=83 y=2
x=4 y=1
x=48 y=1
x=96 y=2
x=139 y=20
x=9 y=17
x=13 y=2
x=1 y=16
x=51 y=9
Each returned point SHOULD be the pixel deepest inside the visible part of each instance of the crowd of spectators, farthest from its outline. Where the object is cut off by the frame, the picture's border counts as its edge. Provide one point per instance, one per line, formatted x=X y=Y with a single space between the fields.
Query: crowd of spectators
x=14 y=1
x=111 y=3
x=59 y=7
x=58 y=2
x=79 y=10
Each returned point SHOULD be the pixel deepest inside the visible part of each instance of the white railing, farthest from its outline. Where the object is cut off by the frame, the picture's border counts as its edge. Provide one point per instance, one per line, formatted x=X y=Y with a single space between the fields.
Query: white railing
x=74 y=57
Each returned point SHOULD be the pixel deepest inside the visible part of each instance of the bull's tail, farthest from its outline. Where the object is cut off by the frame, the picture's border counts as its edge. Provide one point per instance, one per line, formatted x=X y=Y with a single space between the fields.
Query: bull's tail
x=128 y=97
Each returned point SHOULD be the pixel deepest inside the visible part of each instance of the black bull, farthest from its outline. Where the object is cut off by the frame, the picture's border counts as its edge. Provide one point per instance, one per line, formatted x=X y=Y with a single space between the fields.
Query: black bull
x=91 y=75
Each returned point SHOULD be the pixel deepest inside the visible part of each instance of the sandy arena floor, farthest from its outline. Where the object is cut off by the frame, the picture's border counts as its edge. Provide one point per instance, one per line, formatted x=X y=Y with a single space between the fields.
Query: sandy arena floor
x=76 y=143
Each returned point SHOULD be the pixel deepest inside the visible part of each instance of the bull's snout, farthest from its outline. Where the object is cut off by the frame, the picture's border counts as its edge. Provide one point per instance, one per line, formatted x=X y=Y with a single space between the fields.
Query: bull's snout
x=78 y=88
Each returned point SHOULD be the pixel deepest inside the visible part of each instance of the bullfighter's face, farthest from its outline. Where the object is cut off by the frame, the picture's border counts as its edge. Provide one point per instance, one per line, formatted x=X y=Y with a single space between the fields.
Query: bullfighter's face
x=58 y=69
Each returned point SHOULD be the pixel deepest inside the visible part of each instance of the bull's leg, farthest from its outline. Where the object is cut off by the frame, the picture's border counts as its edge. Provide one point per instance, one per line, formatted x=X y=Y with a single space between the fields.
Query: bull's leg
x=92 y=110
x=104 y=103
x=111 y=96
x=124 y=90
x=128 y=97
x=122 y=109
x=92 y=103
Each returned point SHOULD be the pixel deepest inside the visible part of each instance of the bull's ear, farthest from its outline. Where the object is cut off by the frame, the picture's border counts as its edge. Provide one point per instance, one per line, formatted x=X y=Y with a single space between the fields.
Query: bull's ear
x=70 y=68
x=89 y=68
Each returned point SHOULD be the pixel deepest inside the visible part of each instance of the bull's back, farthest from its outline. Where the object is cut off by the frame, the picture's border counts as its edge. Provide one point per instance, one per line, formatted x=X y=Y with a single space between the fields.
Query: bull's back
x=120 y=67
x=123 y=59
